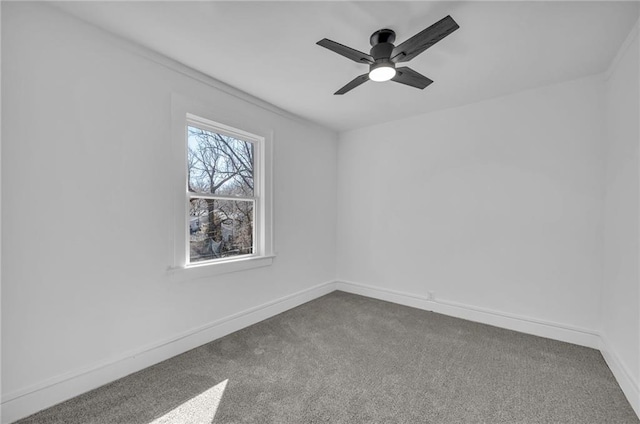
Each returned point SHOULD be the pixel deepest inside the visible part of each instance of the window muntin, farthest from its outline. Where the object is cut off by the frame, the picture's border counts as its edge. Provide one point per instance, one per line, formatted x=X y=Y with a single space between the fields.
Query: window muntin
x=222 y=192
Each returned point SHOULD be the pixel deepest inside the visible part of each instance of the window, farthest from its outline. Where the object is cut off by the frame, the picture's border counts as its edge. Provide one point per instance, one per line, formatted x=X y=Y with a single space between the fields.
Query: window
x=223 y=212
x=221 y=192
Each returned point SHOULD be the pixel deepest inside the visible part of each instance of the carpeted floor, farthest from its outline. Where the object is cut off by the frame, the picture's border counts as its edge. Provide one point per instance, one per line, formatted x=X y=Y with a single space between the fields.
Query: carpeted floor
x=344 y=358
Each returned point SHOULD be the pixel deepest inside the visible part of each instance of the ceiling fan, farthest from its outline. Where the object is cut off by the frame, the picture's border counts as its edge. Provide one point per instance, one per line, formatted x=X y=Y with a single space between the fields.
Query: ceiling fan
x=384 y=55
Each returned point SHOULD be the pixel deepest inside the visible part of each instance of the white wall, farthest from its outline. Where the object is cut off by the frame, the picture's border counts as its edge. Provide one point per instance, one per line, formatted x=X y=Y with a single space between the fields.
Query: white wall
x=495 y=205
x=620 y=294
x=87 y=204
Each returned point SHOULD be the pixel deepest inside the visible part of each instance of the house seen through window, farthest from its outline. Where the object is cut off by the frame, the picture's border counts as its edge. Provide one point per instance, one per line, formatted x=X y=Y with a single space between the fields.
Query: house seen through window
x=221 y=194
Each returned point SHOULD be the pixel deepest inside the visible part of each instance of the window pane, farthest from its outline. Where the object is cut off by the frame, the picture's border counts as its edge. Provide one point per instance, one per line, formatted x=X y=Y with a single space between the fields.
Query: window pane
x=220 y=228
x=219 y=164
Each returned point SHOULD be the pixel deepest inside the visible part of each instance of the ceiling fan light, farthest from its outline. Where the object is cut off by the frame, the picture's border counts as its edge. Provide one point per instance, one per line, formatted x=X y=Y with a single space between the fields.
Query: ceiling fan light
x=382 y=73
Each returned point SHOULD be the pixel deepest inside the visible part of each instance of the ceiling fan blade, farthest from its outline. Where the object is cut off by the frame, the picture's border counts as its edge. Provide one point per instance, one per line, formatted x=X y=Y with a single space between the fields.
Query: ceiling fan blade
x=408 y=76
x=345 y=51
x=424 y=39
x=353 y=84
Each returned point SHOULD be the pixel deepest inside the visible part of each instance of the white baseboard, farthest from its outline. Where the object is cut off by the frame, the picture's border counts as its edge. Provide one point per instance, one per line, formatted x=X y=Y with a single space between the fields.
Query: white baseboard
x=551 y=330
x=27 y=401
x=627 y=382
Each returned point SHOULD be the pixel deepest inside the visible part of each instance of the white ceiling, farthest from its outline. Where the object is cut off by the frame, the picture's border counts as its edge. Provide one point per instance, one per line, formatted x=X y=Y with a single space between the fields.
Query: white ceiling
x=268 y=49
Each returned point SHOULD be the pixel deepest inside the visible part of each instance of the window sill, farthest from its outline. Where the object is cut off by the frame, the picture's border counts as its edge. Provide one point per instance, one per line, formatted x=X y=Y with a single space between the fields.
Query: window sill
x=191 y=272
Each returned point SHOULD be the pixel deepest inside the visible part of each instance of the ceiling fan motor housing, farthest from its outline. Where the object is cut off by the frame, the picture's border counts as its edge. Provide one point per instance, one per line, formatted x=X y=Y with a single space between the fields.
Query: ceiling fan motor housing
x=382 y=42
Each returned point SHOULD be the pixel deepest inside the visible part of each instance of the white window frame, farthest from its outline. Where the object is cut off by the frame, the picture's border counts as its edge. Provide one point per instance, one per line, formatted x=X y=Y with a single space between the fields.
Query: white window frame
x=187 y=112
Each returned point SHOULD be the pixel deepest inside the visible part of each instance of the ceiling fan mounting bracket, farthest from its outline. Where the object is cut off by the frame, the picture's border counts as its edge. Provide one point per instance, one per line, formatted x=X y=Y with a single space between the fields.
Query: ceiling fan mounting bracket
x=384 y=35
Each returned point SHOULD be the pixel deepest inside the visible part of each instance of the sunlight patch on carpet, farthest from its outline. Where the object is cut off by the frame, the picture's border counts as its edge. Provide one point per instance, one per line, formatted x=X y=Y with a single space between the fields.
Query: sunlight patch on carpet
x=198 y=410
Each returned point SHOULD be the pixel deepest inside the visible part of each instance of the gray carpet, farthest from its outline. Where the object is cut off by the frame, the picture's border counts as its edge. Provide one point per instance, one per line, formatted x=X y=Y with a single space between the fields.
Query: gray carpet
x=344 y=358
